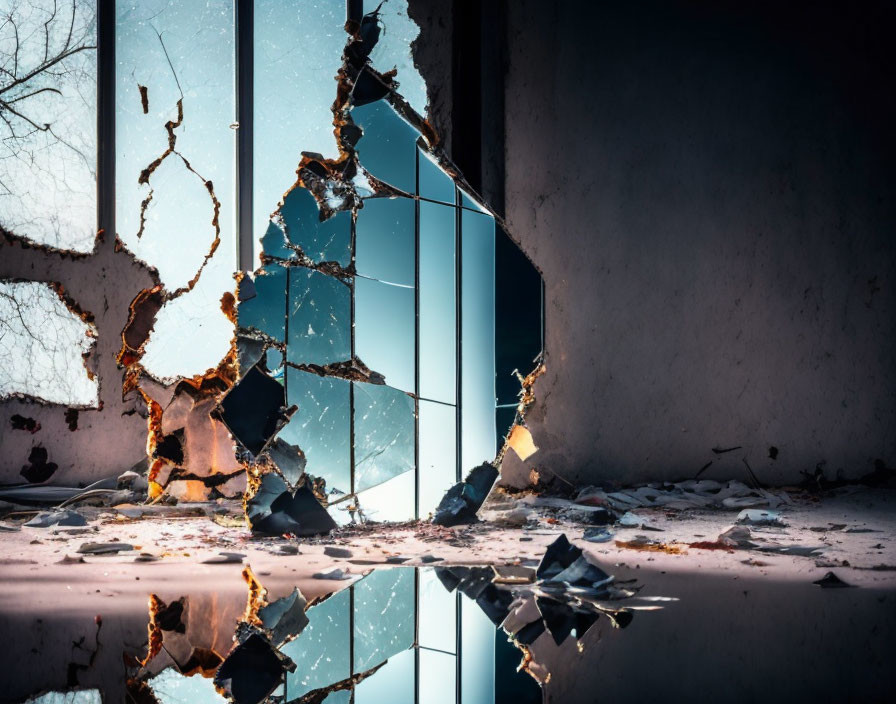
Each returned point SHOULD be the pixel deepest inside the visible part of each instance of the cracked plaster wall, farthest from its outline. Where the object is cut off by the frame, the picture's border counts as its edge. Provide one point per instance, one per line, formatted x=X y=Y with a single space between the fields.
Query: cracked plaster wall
x=107 y=441
x=707 y=190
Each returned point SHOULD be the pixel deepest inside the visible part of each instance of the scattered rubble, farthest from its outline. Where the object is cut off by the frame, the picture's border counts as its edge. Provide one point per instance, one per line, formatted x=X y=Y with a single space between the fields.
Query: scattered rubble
x=464 y=499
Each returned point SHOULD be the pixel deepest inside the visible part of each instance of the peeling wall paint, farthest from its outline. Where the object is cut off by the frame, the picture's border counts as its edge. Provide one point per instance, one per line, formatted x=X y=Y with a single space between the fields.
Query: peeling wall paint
x=103 y=441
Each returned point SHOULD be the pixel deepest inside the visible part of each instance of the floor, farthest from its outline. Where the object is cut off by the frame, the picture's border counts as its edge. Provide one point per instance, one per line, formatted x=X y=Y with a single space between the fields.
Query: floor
x=740 y=623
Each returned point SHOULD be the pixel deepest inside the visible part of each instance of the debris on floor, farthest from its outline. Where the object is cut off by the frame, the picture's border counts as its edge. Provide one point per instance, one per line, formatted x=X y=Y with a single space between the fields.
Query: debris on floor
x=462 y=501
x=831 y=581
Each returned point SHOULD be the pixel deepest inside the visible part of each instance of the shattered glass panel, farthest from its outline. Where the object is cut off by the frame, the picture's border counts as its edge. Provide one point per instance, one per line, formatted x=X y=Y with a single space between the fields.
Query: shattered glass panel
x=437 y=614
x=477 y=654
x=327 y=241
x=254 y=410
x=384 y=330
x=274 y=242
x=297 y=53
x=48 y=131
x=266 y=311
x=393 y=50
x=393 y=682
x=433 y=183
x=384 y=240
x=319 y=325
x=438 y=453
x=342 y=696
x=42 y=346
x=384 y=434
x=467 y=201
x=321 y=426
x=384 y=616
x=438 y=303
x=393 y=500
x=388 y=149
x=478 y=339
x=321 y=652
x=437 y=678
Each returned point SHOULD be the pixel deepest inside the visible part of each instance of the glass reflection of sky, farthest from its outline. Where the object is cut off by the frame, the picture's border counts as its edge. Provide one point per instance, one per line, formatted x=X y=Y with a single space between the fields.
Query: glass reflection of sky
x=374 y=621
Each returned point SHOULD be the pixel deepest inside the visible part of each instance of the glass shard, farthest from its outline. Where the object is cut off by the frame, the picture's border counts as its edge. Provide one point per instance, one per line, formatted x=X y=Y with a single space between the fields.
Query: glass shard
x=384 y=616
x=384 y=434
x=384 y=243
x=437 y=611
x=321 y=426
x=266 y=311
x=464 y=499
x=43 y=343
x=327 y=241
x=48 y=145
x=275 y=510
x=433 y=182
x=284 y=618
x=393 y=500
x=319 y=325
x=254 y=410
x=394 y=682
x=251 y=672
x=438 y=303
x=321 y=652
x=437 y=676
x=297 y=54
x=438 y=453
x=289 y=460
x=477 y=654
x=392 y=51
x=388 y=149
x=384 y=330
x=273 y=243
x=478 y=339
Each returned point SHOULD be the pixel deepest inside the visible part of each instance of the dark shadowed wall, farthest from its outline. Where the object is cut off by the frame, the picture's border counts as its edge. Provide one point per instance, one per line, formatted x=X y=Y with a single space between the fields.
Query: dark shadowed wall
x=708 y=190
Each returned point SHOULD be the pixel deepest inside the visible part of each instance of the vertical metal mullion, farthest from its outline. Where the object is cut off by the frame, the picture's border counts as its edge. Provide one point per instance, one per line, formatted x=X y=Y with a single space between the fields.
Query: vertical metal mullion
x=458 y=314
x=105 y=121
x=458 y=631
x=417 y=336
x=351 y=384
x=286 y=307
x=245 y=66
x=351 y=631
x=416 y=635
x=354 y=10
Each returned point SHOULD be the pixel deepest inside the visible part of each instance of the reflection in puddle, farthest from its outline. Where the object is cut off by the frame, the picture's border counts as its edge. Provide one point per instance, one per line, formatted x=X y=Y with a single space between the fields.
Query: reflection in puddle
x=398 y=635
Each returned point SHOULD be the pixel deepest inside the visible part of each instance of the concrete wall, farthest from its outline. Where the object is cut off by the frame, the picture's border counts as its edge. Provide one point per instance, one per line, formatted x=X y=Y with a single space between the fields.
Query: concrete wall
x=708 y=190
